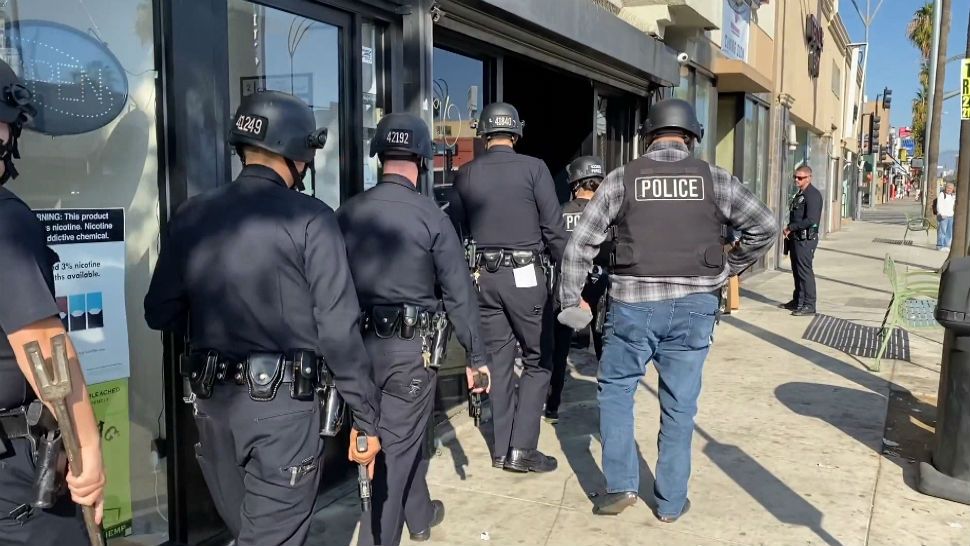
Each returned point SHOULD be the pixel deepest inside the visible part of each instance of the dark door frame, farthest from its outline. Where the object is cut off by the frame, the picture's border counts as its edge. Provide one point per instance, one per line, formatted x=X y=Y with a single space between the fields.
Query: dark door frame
x=194 y=83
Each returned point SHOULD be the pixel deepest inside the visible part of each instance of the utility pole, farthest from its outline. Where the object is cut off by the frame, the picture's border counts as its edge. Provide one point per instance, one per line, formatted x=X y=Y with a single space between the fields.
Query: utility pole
x=948 y=475
x=867 y=19
x=941 y=14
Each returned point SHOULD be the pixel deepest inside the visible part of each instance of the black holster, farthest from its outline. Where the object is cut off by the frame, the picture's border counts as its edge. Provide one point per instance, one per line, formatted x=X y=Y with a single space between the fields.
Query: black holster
x=550 y=268
x=50 y=465
x=601 y=309
x=50 y=459
x=332 y=405
x=441 y=335
x=471 y=254
x=305 y=374
x=198 y=370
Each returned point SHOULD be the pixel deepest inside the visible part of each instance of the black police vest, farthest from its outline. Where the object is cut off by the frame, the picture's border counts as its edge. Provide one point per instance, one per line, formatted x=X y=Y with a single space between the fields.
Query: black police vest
x=571 y=212
x=669 y=224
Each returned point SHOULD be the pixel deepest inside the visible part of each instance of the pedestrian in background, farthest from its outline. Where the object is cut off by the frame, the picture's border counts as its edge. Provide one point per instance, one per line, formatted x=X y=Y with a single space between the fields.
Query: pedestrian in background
x=943 y=207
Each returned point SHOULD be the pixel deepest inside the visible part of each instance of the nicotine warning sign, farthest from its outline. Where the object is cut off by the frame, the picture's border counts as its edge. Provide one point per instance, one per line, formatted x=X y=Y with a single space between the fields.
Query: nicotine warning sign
x=89 y=286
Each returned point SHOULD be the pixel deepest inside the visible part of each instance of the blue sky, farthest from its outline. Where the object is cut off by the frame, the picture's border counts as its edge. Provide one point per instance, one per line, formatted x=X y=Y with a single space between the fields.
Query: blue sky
x=894 y=62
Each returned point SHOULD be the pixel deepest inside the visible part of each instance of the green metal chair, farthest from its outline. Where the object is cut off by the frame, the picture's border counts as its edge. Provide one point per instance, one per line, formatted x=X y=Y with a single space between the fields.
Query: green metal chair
x=913 y=302
x=918 y=223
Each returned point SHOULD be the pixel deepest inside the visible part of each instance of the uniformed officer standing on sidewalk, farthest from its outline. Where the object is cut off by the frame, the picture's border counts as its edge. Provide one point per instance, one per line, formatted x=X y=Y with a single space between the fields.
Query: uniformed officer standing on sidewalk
x=28 y=313
x=258 y=274
x=585 y=175
x=801 y=239
x=668 y=211
x=402 y=248
x=507 y=203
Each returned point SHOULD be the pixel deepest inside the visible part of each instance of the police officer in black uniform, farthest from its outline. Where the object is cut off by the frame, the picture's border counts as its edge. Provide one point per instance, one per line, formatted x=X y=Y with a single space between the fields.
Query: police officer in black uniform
x=801 y=240
x=28 y=313
x=507 y=204
x=257 y=275
x=402 y=248
x=585 y=175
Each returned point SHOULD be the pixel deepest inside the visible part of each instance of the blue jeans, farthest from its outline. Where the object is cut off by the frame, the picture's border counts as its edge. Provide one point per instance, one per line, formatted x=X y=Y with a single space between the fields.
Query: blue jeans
x=676 y=335
x=944 y=231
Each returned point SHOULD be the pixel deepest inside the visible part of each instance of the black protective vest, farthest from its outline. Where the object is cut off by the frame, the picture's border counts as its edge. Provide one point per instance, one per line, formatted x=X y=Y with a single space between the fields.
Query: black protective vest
x=669 y=224
x=571 y=212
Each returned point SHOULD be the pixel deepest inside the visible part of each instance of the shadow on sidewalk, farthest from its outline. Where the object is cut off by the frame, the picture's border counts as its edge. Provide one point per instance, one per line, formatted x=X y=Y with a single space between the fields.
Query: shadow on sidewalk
x=909 y=424
x=781 y=501
x=877 y=258
x=578 y=427
x=912 y=427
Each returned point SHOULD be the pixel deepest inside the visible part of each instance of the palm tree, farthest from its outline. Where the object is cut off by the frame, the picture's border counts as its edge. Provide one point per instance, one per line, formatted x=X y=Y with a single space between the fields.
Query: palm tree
x=920 y=29
x=919 y=121
x=920 y=34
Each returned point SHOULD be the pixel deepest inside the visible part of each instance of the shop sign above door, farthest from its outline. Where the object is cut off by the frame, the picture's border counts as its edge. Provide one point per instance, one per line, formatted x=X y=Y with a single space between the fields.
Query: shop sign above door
x=736 y=29
x=78 y=84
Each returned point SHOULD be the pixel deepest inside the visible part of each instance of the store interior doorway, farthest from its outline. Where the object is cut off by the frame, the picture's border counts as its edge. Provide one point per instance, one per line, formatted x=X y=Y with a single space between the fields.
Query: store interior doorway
x=558 y=114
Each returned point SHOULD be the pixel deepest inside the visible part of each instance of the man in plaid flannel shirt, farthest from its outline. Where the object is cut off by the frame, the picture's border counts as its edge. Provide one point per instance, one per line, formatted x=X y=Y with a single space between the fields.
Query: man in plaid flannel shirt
x=668 y=270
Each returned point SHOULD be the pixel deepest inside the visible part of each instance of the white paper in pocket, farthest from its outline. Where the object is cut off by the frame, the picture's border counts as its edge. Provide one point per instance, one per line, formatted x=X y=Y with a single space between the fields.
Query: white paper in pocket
x=525 y=277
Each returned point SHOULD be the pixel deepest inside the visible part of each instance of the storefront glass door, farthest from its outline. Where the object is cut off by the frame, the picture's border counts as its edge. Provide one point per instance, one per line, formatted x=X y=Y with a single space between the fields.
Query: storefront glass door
x=90 y=169
x=302 y=54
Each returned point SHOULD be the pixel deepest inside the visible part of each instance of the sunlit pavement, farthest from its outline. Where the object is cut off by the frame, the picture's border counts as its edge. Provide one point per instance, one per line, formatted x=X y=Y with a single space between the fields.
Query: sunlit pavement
x=791 y=443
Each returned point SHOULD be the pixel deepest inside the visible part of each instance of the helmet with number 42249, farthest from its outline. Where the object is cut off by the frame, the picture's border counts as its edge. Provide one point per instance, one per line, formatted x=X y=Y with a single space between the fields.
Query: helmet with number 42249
x=279 y=123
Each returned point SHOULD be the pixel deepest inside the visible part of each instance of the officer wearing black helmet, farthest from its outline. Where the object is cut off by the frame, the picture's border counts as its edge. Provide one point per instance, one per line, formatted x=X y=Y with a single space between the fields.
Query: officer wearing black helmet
x=585 y=175
x=28 y=313
x=668 y=212
x=256 y=275
x=507 y=204
x=402 y=250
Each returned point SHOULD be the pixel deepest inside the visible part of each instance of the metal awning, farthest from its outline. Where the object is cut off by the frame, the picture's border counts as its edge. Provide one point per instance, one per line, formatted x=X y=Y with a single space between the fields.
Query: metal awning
x=572 y=34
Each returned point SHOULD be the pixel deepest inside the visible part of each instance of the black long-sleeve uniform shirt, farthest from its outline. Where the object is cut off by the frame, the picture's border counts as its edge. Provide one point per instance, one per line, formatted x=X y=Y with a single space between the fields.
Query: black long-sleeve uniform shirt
x=401 y=246
x=506 y=200
x=27 y=288
x=806 y=209
x=255 y=266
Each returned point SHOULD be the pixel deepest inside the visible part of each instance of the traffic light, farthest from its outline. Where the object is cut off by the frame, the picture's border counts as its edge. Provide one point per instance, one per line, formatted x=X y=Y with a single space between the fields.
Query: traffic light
x=874 y=133
x=887 y=98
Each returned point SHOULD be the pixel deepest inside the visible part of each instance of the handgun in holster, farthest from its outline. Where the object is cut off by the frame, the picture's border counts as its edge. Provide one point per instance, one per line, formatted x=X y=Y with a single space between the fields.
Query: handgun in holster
x=50 y=459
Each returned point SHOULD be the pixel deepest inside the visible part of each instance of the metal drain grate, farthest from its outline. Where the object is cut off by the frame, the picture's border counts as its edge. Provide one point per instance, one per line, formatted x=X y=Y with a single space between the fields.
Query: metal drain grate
x=856 y=339
x=893 y=241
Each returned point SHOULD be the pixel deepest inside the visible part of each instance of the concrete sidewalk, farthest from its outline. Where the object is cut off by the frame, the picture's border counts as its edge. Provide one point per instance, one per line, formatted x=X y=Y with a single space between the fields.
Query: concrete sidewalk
x=792 y=444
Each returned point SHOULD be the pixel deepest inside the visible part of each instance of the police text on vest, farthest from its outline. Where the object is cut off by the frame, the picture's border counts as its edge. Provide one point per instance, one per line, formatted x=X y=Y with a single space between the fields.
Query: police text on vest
x=669 y=188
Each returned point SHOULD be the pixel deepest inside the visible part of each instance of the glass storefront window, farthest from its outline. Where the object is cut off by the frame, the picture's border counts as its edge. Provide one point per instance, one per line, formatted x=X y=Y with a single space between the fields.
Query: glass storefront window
x=277 y=50
x=763 y=139
x=682 y=91
x=750 y=149
x=91 y=66
x=705 y=114
x=459 y=84
x=372 y=70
